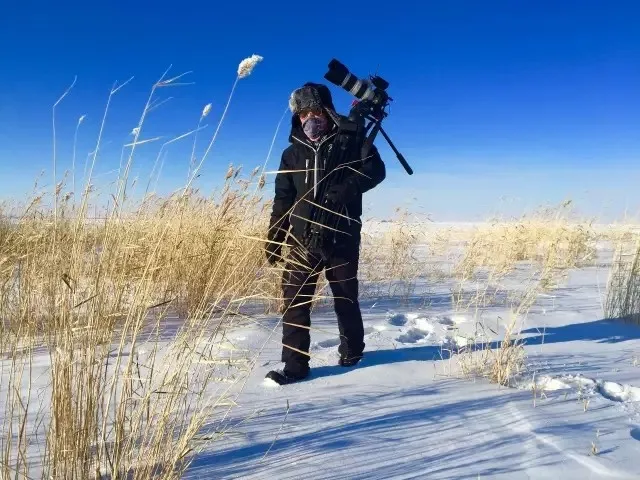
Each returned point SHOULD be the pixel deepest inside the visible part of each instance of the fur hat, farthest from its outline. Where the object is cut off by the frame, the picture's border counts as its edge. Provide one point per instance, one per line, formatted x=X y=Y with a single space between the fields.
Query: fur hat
x=311 y=96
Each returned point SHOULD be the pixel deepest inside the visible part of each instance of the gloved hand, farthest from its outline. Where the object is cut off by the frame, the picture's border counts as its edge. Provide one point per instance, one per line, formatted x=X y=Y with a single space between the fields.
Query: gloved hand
x=342 y=193
x=273 y=251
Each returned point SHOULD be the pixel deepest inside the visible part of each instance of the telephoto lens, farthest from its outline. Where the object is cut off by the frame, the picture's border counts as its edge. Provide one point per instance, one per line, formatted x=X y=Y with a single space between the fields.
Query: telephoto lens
x=339 y=75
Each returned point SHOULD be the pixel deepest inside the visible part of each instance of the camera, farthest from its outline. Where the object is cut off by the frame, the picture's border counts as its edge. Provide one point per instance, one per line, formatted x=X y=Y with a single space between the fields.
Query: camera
x=373 y=98
x=340 y=75
x=372 y=91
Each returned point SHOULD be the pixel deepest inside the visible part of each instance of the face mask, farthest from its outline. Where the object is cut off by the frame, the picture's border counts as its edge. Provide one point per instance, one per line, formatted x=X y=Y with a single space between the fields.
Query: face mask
x=315 y=127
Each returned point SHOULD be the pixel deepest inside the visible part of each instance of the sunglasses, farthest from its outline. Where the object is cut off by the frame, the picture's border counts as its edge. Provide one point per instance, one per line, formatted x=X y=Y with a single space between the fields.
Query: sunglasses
x=310 y=112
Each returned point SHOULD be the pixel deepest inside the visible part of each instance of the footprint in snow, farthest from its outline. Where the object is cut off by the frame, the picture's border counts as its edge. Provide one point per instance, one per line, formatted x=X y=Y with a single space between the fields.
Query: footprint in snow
x=399 y=320
x=452 y=320
x=413 y=335
x=332 y=342
x=446 y=321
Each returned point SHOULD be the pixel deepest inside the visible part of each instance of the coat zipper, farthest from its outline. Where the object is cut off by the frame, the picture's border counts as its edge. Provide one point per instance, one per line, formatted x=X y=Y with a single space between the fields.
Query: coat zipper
x=316 y=152
x=306 y=171
x=315 y=172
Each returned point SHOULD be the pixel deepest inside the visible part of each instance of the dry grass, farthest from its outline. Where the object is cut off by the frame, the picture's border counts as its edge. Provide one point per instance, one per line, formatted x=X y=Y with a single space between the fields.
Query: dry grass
x=390 y=259
x=546 y=237
x=398 y=254
x=548 y=241
x=543 y=246
x=623 y=289
x=113 y=331
x=500 y=361
x=119 y=399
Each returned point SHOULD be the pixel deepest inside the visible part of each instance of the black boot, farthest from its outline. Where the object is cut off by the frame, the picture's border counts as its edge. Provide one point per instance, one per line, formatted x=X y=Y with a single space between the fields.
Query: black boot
x=286 y=376
x=349 y=361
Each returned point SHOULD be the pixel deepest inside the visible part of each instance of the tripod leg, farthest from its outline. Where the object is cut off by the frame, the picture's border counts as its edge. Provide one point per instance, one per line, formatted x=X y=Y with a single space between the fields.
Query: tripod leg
x=401 y=158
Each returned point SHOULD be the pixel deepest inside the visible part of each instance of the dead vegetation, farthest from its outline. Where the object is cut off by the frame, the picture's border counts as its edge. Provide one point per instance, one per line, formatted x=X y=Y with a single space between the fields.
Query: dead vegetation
x=623 y=289
x=113 y=329
x=542 y=248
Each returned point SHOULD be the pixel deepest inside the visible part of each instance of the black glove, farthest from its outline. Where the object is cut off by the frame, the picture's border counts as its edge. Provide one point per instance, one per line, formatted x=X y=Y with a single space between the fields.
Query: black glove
x=342 y=193
x=273 y=251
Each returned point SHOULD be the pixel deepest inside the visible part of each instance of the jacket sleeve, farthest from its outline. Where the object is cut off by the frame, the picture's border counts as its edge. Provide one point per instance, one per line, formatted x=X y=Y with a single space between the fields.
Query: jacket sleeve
x=370 y=172
x=284 y=198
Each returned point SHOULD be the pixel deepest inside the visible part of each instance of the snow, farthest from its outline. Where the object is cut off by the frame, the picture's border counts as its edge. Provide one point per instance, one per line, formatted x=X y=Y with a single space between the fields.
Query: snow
x=406 y=412
x=403 y=413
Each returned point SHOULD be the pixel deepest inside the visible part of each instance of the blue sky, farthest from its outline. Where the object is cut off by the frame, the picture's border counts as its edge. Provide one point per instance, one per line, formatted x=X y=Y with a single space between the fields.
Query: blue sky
x=498 y=106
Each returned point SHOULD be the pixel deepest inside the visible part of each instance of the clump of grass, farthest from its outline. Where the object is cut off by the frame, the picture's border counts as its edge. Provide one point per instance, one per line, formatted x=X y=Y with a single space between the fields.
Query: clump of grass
x=113 y=332
x=546 y=240
x=623 y=288
x=397 y=254
x=498 y=361
x=389 y=257
x=545 y=237
x=502 y=360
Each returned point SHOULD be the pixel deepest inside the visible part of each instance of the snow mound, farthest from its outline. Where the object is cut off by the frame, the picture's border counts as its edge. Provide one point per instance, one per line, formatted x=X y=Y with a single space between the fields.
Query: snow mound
x=613 y=391
x=544 y=383
x=619 y=393
x=267 y=382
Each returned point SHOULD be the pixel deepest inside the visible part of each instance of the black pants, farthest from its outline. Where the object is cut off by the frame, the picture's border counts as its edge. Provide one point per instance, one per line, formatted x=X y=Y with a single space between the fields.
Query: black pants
x=299 y=285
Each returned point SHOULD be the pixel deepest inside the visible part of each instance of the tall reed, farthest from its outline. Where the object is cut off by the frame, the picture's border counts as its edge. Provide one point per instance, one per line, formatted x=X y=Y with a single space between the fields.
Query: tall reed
x=113 y=331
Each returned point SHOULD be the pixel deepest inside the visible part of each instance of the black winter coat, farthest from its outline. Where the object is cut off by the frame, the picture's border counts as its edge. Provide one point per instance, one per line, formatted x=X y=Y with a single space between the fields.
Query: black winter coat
x=301 y=168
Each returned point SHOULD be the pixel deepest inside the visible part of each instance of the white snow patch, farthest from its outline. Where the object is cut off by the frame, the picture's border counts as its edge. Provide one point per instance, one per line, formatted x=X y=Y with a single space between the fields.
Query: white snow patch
x=424 y=325
x=461 y=341
x=619 y=393
x=445 y=321
x=544 y=383
x=610 y=390
x=267 y=382
x=457 y=319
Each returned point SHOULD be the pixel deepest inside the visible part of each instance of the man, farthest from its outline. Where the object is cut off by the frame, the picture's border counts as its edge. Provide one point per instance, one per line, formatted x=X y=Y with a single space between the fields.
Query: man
x=315 y=134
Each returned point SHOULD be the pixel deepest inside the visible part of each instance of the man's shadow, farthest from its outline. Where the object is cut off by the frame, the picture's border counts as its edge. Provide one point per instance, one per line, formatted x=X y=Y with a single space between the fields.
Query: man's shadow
x=385 y=357
x=599 y=331
x=608 y=330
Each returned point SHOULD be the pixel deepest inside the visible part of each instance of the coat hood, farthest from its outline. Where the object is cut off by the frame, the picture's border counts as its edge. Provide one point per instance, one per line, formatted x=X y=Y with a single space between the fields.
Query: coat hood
x=310 y=95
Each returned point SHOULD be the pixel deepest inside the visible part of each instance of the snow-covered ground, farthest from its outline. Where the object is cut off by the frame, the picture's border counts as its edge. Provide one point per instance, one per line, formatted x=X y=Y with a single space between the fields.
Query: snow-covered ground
x=406 y=413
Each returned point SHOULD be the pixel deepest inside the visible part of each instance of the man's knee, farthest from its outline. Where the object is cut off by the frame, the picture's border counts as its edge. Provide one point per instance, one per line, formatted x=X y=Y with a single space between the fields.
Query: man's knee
x=343 y=281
